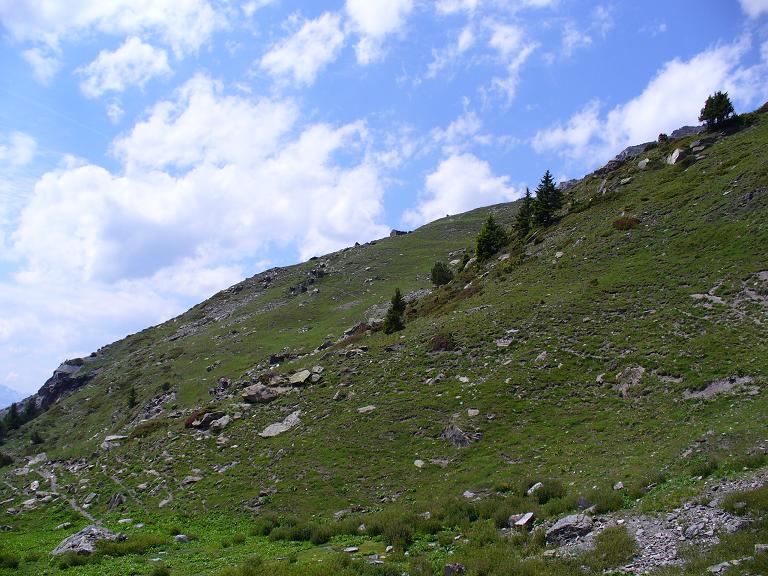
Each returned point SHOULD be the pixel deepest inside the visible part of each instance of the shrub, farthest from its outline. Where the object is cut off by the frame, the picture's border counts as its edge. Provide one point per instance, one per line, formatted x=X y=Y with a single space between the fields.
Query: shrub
x=663 y=138
x=8 y=560
x=238 y=539
x=321 y=533
x=70 y=559
x=36 y=437
x=441 y=274
x=263 y=525
x=160 y=569
x=606 y=499
x=613 y=547
x=717 y=109
x=393 y=321
x=746 y=502
x=395 y=526
x=443 y=342
x=147 y=427
x=626 y=223
x=5 y=459
x=703 y=468
x=134 y=545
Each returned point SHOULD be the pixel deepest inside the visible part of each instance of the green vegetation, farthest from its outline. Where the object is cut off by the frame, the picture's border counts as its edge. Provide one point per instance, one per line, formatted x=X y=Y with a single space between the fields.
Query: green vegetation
x=524 y=215
x=393 y=321
x=717 y=109
x=597 y=353
x=548 y=201
x=490 y=239
x=441 y=274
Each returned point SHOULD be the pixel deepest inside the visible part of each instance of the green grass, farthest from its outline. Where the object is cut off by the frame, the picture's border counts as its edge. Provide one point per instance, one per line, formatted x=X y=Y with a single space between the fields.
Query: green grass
x=613 y=299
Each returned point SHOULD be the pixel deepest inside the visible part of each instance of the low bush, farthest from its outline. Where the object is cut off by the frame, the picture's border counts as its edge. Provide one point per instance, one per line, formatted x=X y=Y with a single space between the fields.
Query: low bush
x=703 y=468
x=751 y=501
x=8 y=560
x=160 y=569
x=614 y=547
x=626 y=223
x=263 y=525
x=5 y=459
x=134 y=545
x=70 y=559
x=606 y=499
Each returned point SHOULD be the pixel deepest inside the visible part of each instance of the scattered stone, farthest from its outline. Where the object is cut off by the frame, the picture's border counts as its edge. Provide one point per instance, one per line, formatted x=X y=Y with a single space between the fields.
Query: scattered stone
x=182 y=539
x=221 y=423
x=419 y=463
x=457 y=436
x=64 y=526
x=90 y=498
x=125 y=520
x=618 y=486
x=454 y=569
x=279 y=427
x=718 y=387
x=522 y=521
x=628 y=378
x=535 y=488
x=259 y=394
x=472 y=412
x=625 y=181
x=351 y=549
x=569 y=527
x=300 y=377
x=118 y=499
x=84 y=541
x=761 y=549
x=366 y=409
x=643 y=164
x=188 y=480
x=675 y=156
x=468 y=494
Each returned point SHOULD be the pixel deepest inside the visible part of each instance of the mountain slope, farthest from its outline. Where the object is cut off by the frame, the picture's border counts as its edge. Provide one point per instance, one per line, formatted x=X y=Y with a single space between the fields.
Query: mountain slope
x=592 y=355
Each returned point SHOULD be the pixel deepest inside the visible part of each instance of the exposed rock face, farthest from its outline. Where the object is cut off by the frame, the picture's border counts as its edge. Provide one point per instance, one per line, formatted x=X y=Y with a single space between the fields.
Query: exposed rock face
x=684 y=131
x=66 y=379
x=397 y=233
x=84 y=541
x=569 y=527
x=628 y=378
x=631 y=152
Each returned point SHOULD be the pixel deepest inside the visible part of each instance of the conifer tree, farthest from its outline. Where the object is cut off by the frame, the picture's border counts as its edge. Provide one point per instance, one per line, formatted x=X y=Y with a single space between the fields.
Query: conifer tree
x=12 y=418
x=717 y=109
x=441 y=274
x=393 y=321
x=490 y=240
x=523 y=218
x=131 y=397
x=548 y=200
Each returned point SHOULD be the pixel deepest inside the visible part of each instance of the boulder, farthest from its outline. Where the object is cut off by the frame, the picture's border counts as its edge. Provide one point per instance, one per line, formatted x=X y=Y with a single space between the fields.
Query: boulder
x=522 y=521
x=675 y=156
x=643 y=164
x=206 y=420
x=535 y=488
x=259 y=394
x=300 y=377
x=221 y=423
x=366 y=409
x=84 y=541
x=568 y=528
x=628 y=378
x=279 y=427
x=182 y=539
x=454 y=569
x=118 y=499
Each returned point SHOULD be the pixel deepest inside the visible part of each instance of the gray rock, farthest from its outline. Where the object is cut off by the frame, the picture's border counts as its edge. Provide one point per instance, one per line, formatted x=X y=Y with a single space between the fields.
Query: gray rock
x=259 y=394
x=535 y=488
x=84 y=541
x=628 y=378
x=675 y=156
x=221 y=423
x=300 y=377
x=643 y=164
x=523 y=521
x=684 y=131
x=118 y=499
x=366 y=409
x=182 y=539
x=454 y=569
x=569 y=527
x=279 y=427
x=618 y=486
x=190 y=480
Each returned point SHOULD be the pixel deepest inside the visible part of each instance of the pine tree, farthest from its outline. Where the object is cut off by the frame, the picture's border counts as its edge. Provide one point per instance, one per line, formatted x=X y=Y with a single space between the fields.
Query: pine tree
x=12 y=418
x=490 y=240
x=523 y=218
x=393 y=321
x=548 y=200
x=717 y=109
x=441 y=274
x=131 y=397
x=30 y=409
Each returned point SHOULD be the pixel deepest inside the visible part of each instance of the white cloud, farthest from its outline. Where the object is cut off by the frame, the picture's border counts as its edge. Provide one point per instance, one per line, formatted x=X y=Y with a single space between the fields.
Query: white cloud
x=754 y=8
x=673 y=98
x=461 y=182
x=250 y=7
x=449 y=55
x=302 y=55
x=602 y=20
x=459 y=134
x=134 y=63
x=208 y=184
x=373 y=21
x=184 y=25
x=574 y=38
x=454 y=6
x=514 y=50
x=44 y=61
x=115 y=111
x=18 y=150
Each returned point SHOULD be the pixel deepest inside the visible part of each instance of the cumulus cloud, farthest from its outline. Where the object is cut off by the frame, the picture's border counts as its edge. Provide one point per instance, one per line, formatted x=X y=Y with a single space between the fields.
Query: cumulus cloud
x=673 y=98
x=182 y=24
x=449 y=55
x=301 y=56
x=459 y=183
x=132 y=64
x=754 y=8
x=208 y=184
x=373 y=21
x=459 y=134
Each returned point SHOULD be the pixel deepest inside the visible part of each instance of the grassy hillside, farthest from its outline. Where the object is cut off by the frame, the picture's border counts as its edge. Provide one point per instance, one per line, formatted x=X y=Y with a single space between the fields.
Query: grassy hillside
x=627 y=343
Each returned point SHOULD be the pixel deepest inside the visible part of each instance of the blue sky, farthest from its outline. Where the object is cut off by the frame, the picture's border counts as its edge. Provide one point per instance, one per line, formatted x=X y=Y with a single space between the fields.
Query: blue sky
x=153 y=152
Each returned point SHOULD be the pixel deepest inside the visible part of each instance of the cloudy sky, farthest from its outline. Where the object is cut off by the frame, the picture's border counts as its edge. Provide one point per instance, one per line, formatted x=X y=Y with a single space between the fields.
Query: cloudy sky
x=153 y=152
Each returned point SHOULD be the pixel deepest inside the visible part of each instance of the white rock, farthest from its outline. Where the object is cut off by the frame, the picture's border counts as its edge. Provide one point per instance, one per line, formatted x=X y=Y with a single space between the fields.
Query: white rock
x=366 y=409
x=419 y=463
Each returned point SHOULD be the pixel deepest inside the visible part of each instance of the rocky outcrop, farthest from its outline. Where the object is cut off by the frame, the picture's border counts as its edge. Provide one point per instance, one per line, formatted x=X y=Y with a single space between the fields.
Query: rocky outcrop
x=569 y=527
x=84 y=542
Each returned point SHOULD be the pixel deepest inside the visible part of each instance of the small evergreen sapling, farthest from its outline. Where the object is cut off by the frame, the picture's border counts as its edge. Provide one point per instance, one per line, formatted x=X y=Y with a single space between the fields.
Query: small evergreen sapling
x=523 y=218
x=393 y=321
x=490 y=240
